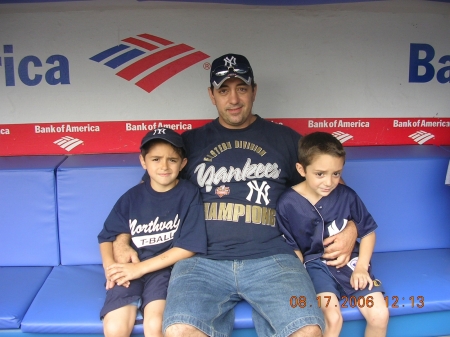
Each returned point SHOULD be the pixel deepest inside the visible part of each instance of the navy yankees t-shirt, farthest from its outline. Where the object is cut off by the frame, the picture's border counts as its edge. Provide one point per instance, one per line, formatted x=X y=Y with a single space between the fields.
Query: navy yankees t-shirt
x=158 y=221
x=241 y=174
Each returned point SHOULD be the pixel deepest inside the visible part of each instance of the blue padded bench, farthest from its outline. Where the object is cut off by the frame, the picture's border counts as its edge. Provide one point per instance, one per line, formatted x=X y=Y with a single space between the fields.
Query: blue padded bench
x=73 y=294
x=402 y=186
x=28 y=232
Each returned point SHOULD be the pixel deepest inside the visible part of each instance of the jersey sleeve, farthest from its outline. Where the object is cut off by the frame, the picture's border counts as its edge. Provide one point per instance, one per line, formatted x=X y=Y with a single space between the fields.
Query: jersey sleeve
x=192 y=235
x=117 y=221
x=365 y=223
x=282 y=220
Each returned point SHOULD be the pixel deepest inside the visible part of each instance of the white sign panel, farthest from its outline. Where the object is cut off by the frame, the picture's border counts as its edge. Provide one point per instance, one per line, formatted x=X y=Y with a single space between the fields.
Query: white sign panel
x=99 y=62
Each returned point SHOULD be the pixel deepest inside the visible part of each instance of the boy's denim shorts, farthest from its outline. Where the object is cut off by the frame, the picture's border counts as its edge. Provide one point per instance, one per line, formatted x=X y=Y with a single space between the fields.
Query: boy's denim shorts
x=203 y=292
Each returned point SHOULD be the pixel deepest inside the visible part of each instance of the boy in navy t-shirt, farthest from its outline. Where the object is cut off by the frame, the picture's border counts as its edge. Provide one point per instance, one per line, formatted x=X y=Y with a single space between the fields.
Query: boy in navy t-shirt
x=320 y=207
x=165 y=218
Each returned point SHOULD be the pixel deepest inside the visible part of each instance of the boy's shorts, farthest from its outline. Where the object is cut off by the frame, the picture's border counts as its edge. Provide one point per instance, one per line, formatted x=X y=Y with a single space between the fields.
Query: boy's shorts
x=203 y=292
x=150 y=287
x=324 y=281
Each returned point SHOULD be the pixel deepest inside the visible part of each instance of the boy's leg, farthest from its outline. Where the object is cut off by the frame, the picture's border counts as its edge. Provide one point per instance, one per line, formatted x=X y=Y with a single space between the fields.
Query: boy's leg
x=376 y=315
x=330 y=306
x=120 y=322
x=153 y=316
x=120 y=308
x=154 y=300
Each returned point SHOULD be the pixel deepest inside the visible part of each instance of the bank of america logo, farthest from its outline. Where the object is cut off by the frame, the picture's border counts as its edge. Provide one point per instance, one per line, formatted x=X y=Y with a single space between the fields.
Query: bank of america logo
x=342 y=136
x=421 y=137
x=68 y=143
x=149 y=60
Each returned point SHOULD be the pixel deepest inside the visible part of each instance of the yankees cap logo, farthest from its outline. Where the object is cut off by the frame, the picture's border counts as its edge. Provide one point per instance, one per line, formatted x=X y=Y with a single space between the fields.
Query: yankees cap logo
x=230 y=61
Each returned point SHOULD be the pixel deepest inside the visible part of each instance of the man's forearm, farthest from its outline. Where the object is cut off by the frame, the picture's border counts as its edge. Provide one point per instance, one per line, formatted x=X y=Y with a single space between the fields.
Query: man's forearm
x=123 y=239
x=123 y=252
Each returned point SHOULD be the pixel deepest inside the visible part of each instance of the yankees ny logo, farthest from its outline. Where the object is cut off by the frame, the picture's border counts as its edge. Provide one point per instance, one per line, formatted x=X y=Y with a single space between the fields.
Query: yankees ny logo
x=334 y=229
x=263 y=191
x=230 y=62
x=159 y=132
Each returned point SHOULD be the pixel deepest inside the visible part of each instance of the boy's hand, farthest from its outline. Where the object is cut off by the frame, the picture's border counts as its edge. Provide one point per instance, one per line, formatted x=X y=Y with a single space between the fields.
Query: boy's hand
x=123 y=273
x=109 y=284
x=360 y=279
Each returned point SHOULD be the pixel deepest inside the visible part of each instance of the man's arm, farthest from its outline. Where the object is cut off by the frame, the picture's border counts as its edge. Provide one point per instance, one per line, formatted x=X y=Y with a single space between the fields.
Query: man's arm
x=299 y=255
x=123 y=253
x=340 y=246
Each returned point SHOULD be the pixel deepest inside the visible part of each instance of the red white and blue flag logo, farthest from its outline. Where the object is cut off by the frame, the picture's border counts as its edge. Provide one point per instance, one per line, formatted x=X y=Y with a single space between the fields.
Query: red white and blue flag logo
x=137 y=55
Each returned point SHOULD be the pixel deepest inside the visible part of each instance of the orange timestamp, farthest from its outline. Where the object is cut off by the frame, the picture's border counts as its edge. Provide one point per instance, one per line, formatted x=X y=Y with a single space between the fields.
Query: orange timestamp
x=357 y=302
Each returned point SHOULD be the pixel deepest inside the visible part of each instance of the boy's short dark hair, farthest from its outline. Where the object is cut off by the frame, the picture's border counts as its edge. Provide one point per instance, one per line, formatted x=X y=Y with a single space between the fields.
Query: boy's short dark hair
x=318 y=143
x=148 y=145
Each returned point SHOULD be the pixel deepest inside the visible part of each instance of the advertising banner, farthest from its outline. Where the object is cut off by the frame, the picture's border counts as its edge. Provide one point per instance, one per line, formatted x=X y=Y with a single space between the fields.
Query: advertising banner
x=95 y=76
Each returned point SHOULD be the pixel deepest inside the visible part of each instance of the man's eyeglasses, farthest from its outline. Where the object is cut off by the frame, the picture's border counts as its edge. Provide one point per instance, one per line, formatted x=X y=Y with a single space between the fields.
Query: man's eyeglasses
x=240 y=69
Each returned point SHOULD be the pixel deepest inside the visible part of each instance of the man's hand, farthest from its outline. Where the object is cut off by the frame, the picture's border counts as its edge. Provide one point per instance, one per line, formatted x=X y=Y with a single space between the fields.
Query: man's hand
x=122 y=273
x=123 y=253
x=339 y=246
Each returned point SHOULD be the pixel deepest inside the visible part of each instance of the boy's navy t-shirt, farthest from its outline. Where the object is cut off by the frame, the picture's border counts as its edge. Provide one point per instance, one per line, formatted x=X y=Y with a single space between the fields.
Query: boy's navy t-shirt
x=158 y=221
x=241 y=173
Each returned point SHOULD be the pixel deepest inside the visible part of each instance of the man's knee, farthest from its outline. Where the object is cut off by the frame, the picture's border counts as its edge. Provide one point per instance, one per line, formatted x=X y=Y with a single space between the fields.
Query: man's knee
x=183 y=330
x=308 y=331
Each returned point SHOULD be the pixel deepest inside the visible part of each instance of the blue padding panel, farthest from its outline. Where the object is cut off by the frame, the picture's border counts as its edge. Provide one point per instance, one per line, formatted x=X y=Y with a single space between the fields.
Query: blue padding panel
x=88 y=188
x=28 y=227
x=403 y=274
x=244 y=333
x=412 y=273
x=69 y=302
x=243 y=316
x=18 y=333
x=11 y=332
x=416 y=325
x=18 y=286
x=403 y=188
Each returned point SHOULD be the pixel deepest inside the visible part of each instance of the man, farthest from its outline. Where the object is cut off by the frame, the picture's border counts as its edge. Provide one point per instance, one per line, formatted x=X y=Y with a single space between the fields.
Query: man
x=242 y=164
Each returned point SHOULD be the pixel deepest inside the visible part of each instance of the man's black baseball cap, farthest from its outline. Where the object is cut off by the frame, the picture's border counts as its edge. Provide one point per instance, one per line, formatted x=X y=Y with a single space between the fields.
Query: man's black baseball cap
x=230 y=65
